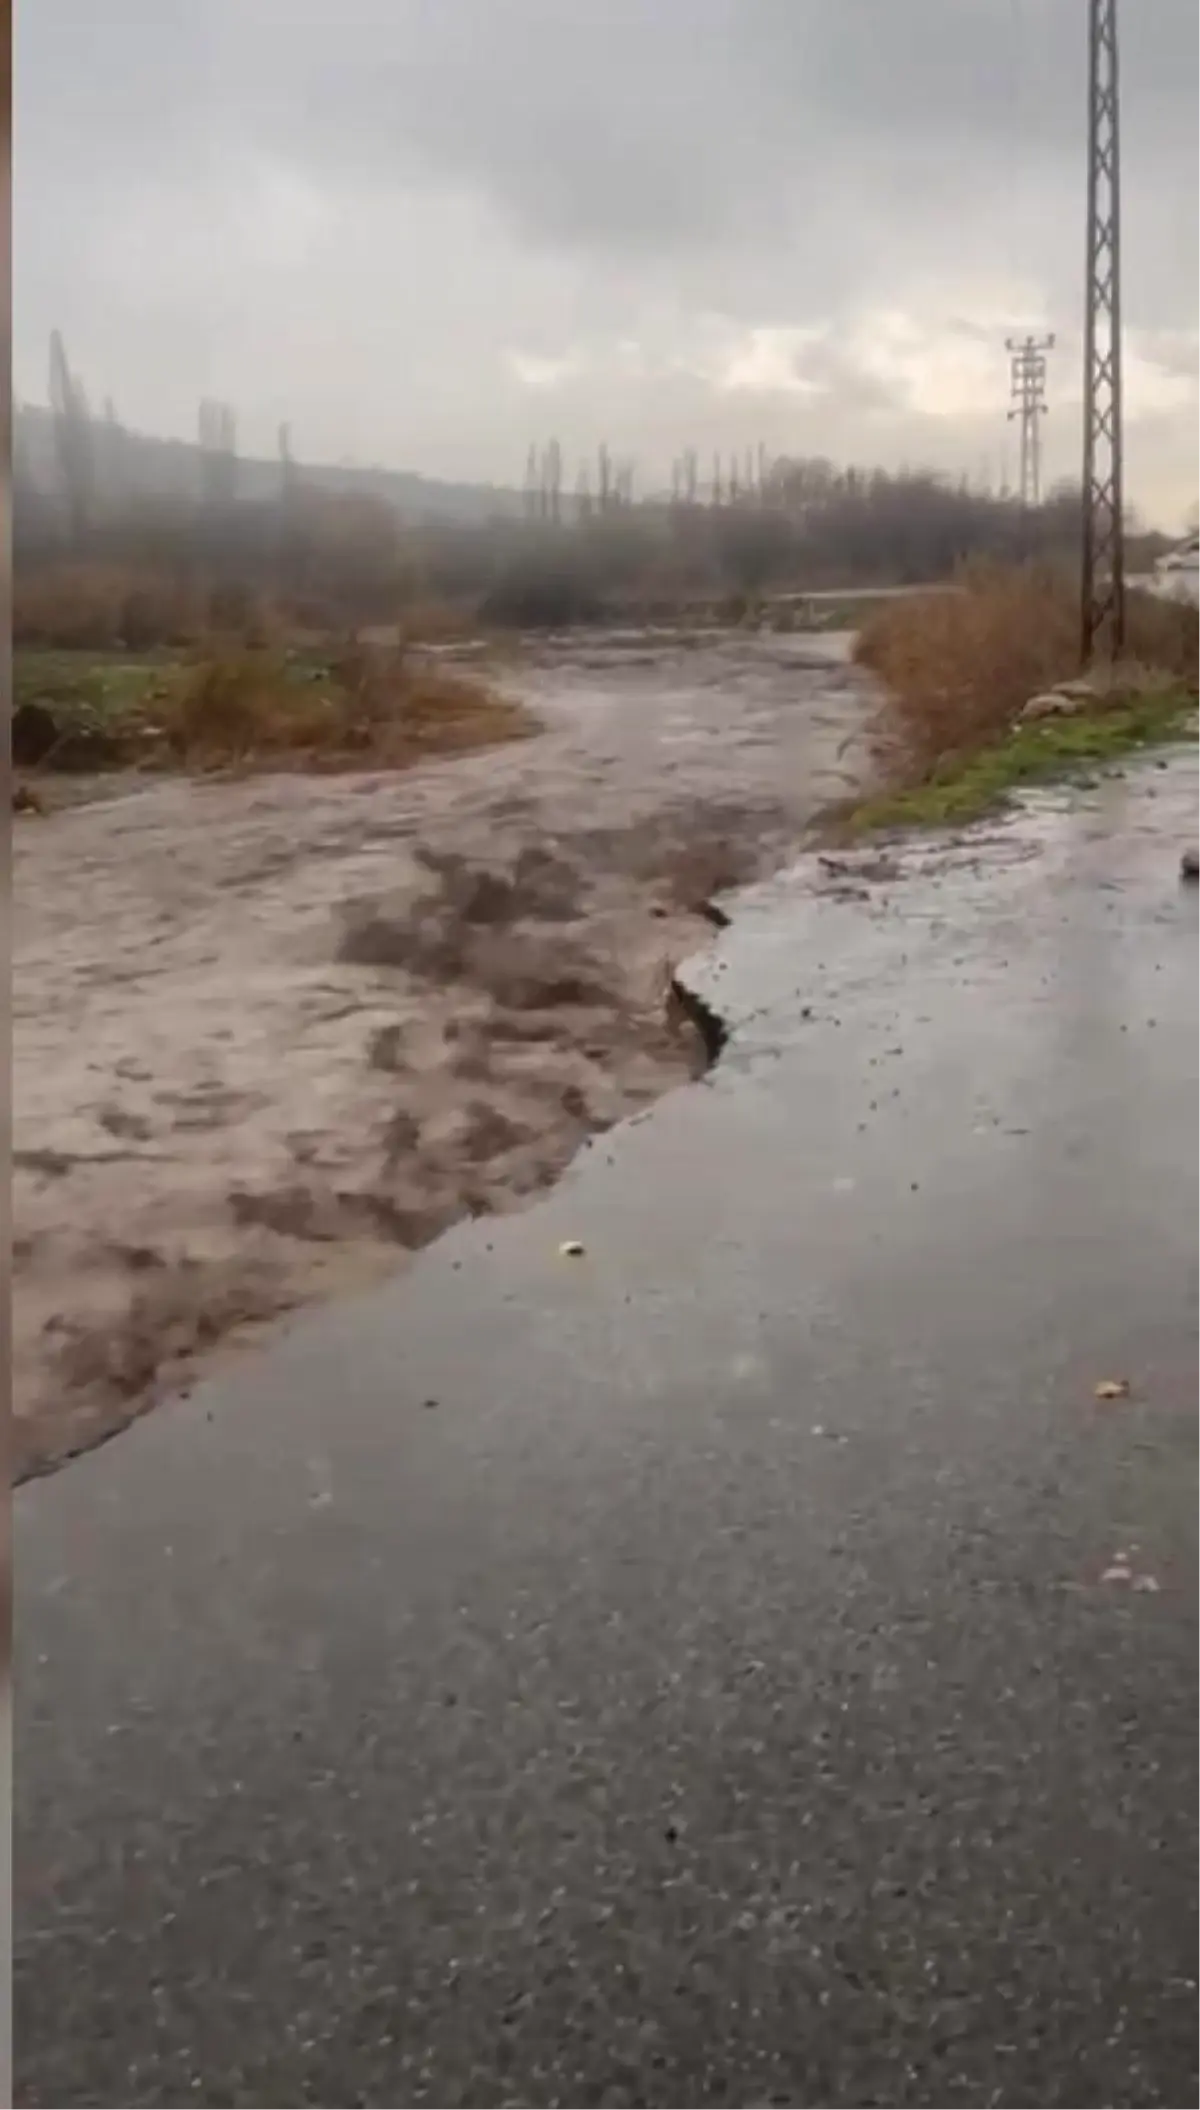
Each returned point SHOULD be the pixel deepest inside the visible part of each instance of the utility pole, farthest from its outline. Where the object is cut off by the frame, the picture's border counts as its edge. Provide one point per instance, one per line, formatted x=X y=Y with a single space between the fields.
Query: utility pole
x=551 y=507
x=1103 y=611
x=1027 y=369
x=287 y=465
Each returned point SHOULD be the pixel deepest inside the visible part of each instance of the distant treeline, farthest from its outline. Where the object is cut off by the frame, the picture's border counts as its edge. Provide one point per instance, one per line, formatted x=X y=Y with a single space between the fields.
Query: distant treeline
x=142 y=565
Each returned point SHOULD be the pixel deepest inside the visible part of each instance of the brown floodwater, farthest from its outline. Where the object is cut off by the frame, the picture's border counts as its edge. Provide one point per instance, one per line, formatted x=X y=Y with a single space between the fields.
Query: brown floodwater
x=271 y=1035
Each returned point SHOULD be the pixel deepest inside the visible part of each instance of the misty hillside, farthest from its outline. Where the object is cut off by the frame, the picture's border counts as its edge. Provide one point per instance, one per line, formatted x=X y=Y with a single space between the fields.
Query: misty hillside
x=133 y=462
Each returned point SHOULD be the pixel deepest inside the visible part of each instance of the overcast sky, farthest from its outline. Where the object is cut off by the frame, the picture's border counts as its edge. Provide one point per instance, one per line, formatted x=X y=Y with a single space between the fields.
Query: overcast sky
x=429 y=231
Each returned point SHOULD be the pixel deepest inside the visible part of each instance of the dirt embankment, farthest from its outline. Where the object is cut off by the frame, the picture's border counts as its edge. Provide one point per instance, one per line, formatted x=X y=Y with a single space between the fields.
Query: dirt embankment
x=271 y=1036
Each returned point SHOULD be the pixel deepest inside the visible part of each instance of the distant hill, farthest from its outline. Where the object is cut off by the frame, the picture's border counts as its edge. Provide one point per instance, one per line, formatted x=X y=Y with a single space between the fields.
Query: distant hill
x=168 y=468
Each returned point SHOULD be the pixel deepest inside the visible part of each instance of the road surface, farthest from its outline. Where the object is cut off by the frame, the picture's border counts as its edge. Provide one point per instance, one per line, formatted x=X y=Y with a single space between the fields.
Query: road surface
x=745 y=1662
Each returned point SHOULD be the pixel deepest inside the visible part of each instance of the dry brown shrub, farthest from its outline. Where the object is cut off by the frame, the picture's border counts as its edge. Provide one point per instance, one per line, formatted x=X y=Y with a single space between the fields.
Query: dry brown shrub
x=374 y=709
x=958 y=666
x=101 y=607
x=226 y=709
x=427 y=621
x=111 y=607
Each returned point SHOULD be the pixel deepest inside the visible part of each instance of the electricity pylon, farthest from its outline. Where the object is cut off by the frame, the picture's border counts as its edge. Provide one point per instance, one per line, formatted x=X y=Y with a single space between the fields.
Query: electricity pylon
x=1103 y=610
x=1027 y=366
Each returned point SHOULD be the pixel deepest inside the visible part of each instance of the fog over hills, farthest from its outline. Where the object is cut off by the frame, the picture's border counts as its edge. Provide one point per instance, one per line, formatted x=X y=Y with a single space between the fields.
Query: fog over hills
x=132 y=463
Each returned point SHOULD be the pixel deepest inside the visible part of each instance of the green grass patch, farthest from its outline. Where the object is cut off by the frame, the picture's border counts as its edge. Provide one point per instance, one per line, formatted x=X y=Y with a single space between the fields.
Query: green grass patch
x=965 y=787
x=113 y=684
x=102 y=683
x=113 y=709
x=88 y=712
x=840 y=615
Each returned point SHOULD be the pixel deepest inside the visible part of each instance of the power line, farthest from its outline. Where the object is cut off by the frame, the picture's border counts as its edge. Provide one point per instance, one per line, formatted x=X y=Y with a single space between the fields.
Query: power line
x=1103 y=612
x=1027 y=369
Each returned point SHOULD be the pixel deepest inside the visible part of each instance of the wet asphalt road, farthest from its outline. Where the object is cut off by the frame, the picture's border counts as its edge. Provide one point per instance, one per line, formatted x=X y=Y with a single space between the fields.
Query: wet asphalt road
x=743 y=1664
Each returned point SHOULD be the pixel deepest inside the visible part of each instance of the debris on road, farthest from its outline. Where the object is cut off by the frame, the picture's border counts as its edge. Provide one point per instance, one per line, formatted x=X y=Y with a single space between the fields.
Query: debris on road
x=1121 y=1569
x=1126 y=1568
x=881 y=868
x=1113 y=1388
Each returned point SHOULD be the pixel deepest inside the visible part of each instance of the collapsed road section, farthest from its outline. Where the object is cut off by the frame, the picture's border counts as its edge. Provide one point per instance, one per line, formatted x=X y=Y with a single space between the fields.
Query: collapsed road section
x=326 y=1018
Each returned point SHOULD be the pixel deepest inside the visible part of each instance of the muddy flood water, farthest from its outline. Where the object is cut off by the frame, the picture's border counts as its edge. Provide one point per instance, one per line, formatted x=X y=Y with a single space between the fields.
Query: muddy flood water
x=271 y=1035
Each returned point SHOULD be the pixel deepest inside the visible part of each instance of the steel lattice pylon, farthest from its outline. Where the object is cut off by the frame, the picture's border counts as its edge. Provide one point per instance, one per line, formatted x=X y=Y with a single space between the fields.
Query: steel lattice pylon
x=1027 y=366
x=1103 y=497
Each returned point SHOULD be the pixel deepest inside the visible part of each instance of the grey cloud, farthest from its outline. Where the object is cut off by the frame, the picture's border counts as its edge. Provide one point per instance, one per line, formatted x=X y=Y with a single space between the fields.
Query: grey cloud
x=1175 y=352
x=772 y=161
x=618 y=127
x=831 y=369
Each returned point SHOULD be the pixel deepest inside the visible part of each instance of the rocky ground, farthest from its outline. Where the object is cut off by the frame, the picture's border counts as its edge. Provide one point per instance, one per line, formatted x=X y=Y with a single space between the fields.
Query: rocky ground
x=271 y=1035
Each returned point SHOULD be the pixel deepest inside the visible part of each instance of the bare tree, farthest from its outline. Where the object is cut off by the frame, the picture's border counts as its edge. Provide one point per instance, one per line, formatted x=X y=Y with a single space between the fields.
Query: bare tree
x=287 y=464
x=73 y=440
x=530 y=493
x=217 y=427
x=552 y=482
x=583 y=492
x=113 y=479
